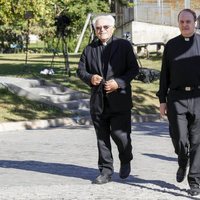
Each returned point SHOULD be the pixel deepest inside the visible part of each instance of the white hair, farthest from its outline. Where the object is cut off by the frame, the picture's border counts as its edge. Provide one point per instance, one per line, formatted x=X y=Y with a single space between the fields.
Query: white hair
x=109 y=18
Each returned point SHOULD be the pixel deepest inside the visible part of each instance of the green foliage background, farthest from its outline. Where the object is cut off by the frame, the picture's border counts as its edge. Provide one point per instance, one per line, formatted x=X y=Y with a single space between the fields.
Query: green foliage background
x=44 y=11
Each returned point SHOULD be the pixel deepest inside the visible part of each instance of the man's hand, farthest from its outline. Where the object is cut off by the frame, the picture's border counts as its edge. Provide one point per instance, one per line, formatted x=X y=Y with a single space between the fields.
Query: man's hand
x=163 y=109
x=96 y=79
x=110 y=86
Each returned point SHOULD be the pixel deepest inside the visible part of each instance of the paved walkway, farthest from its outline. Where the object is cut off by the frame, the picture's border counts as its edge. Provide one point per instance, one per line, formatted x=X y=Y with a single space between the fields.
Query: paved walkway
x=46 y=163
x=60 y=163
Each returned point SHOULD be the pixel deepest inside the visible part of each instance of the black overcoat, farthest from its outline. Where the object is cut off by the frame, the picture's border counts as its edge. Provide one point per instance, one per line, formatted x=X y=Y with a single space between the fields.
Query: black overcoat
x=122 y=67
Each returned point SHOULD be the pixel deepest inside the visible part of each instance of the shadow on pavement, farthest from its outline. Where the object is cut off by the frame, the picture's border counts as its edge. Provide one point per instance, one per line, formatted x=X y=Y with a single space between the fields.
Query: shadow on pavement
x=159 y=129
x=161 y=157
x=165 y=187
x=88 y=174
x=52 y=168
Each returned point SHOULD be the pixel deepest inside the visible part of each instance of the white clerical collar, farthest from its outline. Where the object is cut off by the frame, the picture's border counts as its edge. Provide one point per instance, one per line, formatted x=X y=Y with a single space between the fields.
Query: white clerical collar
x=106 y=42
x=187 y=39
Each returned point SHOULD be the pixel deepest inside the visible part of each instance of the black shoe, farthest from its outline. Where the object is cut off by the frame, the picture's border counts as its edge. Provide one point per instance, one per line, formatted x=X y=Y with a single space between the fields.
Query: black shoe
x=125 y=170
x=180 y=174
x=102 y=179
x=194 y=190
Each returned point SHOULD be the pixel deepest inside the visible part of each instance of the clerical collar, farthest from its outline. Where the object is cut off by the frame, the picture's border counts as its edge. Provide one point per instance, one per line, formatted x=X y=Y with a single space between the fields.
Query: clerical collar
x=107 y=42
x=187 y=39
x=104 y=43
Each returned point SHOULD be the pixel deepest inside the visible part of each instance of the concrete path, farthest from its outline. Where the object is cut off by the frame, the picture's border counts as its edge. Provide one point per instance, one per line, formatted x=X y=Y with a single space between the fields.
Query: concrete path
x=60 y=163
x=45 y=163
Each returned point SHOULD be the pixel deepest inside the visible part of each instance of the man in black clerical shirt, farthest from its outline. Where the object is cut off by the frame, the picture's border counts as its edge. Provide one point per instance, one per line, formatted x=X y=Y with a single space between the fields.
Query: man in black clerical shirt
x=179 y=96
x=108 y=65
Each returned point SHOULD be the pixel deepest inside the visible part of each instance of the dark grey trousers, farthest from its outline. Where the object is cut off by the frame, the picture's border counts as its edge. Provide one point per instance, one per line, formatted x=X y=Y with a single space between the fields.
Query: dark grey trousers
x=118 y=127
x=184 y=126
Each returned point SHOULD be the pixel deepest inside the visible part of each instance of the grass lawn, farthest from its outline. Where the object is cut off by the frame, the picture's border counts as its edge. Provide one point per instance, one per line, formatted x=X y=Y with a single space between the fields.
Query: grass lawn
x=14 y=108
x=144 y=98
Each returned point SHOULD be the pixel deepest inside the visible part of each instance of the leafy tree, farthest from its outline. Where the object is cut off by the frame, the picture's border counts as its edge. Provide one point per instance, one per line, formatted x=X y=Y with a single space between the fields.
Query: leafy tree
x=12 y=15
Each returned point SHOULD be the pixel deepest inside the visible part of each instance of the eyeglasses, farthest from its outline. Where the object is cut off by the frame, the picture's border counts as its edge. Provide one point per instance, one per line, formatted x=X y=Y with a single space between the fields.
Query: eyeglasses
x=105 y=27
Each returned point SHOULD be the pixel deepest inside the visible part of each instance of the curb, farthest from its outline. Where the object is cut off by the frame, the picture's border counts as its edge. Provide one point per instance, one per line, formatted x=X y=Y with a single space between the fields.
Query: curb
x=36 y=124
x=77 y=121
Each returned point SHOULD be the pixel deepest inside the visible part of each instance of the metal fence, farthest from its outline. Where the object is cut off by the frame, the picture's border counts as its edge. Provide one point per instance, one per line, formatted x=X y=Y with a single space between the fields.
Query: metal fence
x=162 y=11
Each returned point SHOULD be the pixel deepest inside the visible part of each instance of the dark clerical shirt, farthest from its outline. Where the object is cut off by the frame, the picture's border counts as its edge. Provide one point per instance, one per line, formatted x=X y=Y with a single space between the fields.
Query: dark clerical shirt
x=103 y=53
x=180 y=65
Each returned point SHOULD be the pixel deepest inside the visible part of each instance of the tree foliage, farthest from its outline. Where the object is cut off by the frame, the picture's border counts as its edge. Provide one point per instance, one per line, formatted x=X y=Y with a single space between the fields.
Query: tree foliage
x=12 y=16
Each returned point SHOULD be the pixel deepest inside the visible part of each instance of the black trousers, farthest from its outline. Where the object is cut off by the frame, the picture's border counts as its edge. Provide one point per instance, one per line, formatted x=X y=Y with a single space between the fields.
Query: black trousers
x=184 y=126
x=118 y=127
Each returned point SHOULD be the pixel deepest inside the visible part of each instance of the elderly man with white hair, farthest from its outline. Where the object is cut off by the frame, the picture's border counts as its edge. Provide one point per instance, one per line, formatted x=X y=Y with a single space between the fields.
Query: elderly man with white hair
x=108 y=65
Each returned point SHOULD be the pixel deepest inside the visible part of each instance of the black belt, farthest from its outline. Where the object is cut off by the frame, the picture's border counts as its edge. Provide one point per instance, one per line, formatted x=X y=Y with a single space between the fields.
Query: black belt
x=188 y=88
